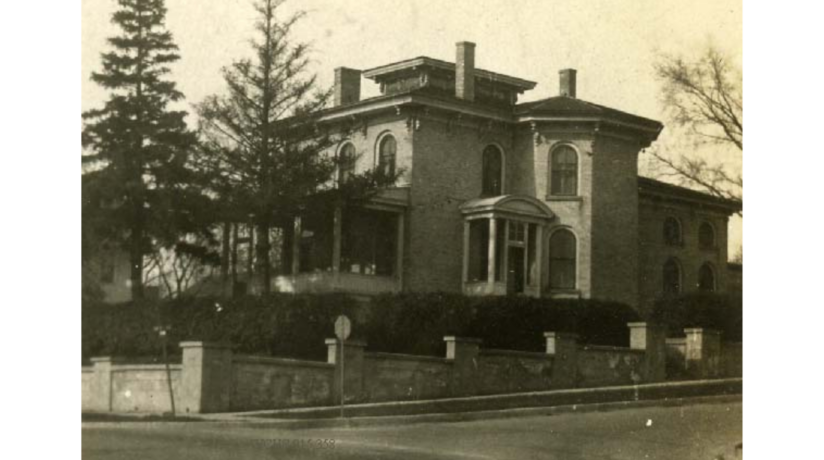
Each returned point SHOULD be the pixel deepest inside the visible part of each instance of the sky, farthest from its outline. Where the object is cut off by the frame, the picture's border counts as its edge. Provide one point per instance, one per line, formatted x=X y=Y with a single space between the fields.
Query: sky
x=612 y=43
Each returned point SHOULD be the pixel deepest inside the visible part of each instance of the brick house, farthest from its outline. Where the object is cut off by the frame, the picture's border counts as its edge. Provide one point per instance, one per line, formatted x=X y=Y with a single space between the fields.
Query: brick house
x=499 y=197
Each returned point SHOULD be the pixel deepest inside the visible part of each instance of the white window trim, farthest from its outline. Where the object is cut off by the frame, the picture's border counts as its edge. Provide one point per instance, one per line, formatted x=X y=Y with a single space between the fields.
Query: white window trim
x=578 y=168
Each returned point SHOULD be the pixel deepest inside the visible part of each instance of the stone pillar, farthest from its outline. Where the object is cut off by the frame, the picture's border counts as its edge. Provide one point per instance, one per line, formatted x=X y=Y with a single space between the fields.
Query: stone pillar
x=463 y=352
x=102 y=387
x=652 y=340
x=206 y=378
x=353 y=364
x=703 y=352
x=564 y=347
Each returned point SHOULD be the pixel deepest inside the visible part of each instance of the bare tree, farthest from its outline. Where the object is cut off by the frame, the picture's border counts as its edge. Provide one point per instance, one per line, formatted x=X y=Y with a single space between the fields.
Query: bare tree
x=703 y=97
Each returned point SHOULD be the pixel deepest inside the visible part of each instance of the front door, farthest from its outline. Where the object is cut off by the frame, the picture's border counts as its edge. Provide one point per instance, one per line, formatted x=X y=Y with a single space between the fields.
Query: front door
x=515 y=276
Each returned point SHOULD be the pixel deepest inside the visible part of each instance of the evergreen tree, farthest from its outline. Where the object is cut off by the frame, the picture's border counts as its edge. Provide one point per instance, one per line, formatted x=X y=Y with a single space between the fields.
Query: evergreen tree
x=264 y=144
x=137 y=186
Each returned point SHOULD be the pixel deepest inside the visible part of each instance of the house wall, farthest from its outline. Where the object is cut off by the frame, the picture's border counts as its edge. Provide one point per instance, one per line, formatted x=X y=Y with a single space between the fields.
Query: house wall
x=447 y=171
x=653 y=252
x=614 y=263
x=573 y=213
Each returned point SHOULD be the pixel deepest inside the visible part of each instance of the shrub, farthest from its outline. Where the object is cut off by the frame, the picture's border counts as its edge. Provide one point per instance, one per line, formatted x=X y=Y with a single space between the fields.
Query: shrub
x=720 y=311
x=296 y=325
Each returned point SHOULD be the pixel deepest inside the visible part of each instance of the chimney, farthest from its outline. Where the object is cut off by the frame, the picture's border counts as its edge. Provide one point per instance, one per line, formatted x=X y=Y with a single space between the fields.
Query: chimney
x=465 y=71
x=347 y=86
x=568 y=83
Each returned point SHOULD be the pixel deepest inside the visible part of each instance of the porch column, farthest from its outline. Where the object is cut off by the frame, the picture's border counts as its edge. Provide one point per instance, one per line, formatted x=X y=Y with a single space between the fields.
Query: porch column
x=490 y=267
x=337 y=232
x=466 y=252
x=400 y=248
x=298 y=235
x=539 y=259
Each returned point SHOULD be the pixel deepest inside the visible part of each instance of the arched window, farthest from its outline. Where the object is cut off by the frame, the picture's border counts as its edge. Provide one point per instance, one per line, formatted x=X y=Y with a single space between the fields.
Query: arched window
x=562 y=260
x=346 y=162
x=672 y=231
x=387 y=151
x=706 y=278
x=564 y=180
x=706 y=236
x=492 y=171
x=672 y=277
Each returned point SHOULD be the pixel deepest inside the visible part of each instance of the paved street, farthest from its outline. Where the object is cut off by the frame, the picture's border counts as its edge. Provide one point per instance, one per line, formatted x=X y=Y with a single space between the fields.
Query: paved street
x=702 y=431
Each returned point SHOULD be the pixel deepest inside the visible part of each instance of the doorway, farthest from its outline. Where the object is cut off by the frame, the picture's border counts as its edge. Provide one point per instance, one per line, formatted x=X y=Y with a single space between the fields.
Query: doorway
x=515 y=280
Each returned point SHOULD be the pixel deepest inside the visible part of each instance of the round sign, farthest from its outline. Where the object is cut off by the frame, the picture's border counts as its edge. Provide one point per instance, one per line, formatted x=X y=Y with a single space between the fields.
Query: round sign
x=343 y=327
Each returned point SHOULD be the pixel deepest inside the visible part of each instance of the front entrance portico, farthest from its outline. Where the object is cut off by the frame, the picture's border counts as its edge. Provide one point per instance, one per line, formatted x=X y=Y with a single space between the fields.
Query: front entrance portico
x=503 y=245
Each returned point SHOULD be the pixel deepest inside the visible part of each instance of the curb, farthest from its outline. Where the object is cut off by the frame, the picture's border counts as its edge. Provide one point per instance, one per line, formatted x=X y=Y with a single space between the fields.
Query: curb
x=399 y=420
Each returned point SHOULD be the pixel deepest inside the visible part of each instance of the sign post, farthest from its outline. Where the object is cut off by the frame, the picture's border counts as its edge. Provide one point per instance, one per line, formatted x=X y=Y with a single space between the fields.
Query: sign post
x=162 y=331
x=343 y=327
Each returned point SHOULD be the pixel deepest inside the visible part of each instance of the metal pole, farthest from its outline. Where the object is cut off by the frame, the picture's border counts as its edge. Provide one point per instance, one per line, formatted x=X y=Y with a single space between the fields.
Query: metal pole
x=342 y=374
x=168 y=375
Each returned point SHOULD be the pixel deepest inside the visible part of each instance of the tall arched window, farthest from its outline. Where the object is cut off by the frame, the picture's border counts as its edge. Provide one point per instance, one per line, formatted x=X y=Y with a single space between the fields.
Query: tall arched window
x=706 y=278
x=387 y=150
x=706 y=236
x=346 y=162
x=564 y=179
x=672 y=277
x=562 y=260
x=492 y=171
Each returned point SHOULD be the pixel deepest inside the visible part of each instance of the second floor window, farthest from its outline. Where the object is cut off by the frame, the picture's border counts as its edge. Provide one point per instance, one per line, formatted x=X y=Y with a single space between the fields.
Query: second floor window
x=706 y=236
x=387 y=151
x=492 y=171
x=564 y=179
x=346 y=165
x=672 y=232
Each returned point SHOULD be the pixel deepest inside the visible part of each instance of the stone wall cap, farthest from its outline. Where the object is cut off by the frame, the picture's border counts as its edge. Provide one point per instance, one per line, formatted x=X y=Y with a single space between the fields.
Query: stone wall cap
x=106 y=359
x=638 y=324
x=201 y=344
x=452 y=338
x=349 y=342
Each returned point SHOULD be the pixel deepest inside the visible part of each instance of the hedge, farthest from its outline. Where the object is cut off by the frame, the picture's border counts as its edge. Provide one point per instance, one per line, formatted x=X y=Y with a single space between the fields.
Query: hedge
x=296 y=325
x=720 y=311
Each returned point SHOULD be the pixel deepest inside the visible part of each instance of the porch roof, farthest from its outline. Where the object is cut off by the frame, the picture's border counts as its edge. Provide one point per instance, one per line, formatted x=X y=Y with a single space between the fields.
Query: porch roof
x=513 y=205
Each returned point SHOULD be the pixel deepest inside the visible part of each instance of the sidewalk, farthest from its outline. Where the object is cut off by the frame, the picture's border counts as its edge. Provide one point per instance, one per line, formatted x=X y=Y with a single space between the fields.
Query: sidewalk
x=478 y=407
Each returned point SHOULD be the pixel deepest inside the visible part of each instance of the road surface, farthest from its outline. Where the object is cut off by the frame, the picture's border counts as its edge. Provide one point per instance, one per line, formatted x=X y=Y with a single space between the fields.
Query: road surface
x=708 y=431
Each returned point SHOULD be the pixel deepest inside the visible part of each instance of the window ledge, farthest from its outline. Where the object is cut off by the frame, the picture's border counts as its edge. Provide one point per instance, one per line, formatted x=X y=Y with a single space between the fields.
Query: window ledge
x=564 y=198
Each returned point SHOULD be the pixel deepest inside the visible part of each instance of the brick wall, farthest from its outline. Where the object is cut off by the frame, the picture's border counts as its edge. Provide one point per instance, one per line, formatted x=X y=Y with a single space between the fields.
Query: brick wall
x=447 y=172
x=653 y=252
x=615 y=220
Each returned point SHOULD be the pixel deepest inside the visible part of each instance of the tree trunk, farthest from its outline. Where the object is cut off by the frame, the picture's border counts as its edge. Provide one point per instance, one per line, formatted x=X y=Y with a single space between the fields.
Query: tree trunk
x=136 y=253
x=234 y=258
x=263 y=271
x=224 y=259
